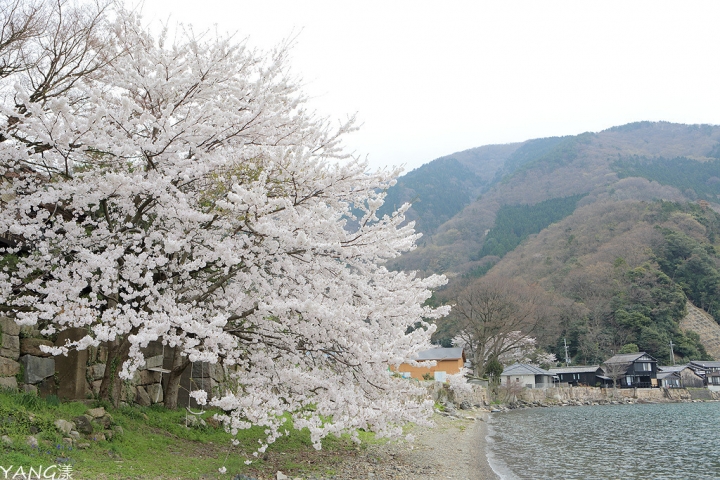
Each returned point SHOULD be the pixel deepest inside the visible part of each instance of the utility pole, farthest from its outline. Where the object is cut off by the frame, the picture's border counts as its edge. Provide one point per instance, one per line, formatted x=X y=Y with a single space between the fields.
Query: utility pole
x=567 y=358
x=672 y=354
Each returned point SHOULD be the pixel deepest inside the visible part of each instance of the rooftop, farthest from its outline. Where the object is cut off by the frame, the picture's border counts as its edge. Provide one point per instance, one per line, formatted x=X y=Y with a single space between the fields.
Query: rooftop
x=706 y=364
x=672 y=368
x=524 y=369
x=441 y=354
x=578 y=369
x=628 y=358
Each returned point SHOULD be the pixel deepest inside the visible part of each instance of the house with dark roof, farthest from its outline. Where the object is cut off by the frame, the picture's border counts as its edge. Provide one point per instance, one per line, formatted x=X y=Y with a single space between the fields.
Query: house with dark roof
x=704 y=367
x=581 y=375
x=709 y=371
x=448 y=361
x=638 y=370
x=529 y=376
x=686 y=376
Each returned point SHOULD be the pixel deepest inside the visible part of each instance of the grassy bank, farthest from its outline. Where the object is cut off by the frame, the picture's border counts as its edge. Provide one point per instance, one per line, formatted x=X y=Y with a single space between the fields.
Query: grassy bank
x=154 y=442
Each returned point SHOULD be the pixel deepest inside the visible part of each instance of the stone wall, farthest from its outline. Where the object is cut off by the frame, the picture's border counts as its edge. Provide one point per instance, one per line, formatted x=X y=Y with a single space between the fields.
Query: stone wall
x=559 y=395
x=478 y=395
x=147 y=386
x=474 y=394
x=78 y=376
x=9 y=353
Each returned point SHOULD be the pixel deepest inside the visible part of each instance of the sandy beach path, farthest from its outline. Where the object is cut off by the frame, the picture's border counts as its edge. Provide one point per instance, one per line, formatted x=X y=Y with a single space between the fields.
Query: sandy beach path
x=453 y=449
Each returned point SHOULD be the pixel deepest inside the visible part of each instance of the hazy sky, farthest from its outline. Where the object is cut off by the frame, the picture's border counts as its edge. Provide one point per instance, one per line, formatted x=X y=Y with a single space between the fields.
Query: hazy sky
x=429 y=78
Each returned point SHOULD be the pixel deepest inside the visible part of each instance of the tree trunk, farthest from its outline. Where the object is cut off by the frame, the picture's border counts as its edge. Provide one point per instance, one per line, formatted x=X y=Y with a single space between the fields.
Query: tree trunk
x=479 y=369
x=479 y=361
x=118 y=352
x=172 y=387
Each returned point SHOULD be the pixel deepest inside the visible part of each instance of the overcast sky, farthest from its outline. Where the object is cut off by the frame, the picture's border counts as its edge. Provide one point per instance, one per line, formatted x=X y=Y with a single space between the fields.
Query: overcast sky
x=429 y=78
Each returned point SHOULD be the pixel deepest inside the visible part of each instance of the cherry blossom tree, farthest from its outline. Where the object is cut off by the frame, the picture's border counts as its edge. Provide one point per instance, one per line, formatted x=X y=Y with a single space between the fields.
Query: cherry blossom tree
x=181 y=192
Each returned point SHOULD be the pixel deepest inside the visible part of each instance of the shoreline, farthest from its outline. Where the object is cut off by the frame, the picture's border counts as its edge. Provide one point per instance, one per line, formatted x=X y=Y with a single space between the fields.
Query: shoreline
x=521 y=405
x=531 y=436
x=482 y=460
x=455 y=448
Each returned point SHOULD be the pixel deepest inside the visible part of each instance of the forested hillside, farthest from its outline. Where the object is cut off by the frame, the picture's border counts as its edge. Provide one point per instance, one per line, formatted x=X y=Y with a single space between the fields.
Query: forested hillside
x=696 y=179
x=618 y=228
x=628 y=269
x=453 y=186
x=515 y=223
x=443 y=187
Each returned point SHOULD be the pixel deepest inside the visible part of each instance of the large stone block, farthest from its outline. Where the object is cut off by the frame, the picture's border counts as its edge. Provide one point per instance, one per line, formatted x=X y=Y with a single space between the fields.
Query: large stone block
x=96 y=412
x=92 y=355
x=154 y=361
x=95 y=387
x=96 y=372
x=155 y=392
x=37 y=369
x=64 y=426
x=8 y=382
x=155 y=348
x=71 y=369
x=102 y=355
x=31 y=346
x=83 y=424
x=29 y=389
x=47 y=387
x=200 y=380
x=218 y=373
x=147 y=377
x=200 y=369
x=30 y=331
x=142 y=398
x=8 y=326
x=8 y=367
x=127 y=393
x=10 y=346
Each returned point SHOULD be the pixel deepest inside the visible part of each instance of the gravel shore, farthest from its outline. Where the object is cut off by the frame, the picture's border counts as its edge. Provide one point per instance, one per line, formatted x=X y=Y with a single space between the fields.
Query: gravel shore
x=453 y=449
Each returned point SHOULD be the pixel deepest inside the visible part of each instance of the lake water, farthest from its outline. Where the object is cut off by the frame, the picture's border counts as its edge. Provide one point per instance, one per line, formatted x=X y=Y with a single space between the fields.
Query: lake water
x=642 y=441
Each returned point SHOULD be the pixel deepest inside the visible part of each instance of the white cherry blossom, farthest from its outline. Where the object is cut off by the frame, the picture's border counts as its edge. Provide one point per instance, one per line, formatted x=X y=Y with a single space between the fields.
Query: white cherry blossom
x=180 y=192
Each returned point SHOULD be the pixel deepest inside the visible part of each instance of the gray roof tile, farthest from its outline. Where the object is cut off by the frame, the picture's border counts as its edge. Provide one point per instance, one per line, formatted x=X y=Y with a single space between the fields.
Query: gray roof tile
x=577 y=369
x=524 y=369
x=441 y=354
x=627 y=357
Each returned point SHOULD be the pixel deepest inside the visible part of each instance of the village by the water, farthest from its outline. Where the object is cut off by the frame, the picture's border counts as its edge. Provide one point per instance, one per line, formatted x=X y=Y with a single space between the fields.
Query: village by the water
x=209 y=271
x=629 y=377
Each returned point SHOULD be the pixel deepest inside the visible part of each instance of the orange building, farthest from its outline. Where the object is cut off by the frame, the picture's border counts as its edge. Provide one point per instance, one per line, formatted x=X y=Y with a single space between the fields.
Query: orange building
x=448 y=360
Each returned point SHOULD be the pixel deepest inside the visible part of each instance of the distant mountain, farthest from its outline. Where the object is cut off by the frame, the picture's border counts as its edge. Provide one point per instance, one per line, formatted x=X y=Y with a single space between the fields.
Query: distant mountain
x=621 y=227
x=443 y=187
x=456 y=210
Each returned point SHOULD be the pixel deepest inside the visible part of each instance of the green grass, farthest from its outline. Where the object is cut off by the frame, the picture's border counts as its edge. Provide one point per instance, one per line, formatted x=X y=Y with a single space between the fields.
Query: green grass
x=156 y=444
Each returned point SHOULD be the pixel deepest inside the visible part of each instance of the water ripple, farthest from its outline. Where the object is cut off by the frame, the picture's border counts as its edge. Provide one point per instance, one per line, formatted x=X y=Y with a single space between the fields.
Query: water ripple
x=658 y=441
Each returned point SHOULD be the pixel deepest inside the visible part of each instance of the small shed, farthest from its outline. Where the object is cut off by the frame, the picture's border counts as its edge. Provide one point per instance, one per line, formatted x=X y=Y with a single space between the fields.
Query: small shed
x=669 y=379
x=687 y=376
x=587 y=375
x=448 y=361
x=527 y=375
